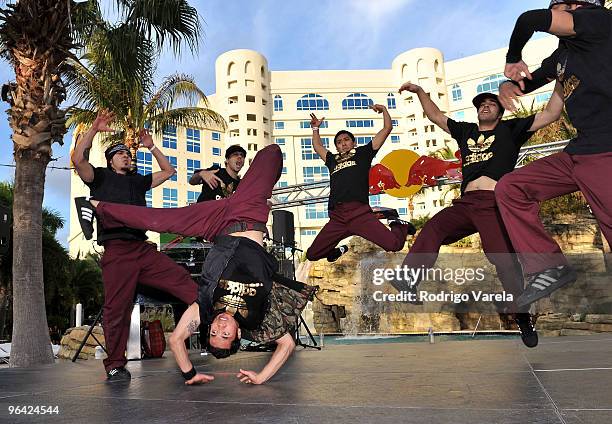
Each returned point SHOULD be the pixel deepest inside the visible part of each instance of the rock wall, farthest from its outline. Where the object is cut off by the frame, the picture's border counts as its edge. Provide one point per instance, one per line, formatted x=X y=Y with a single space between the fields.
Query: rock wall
x=72 y=340
x=345 y=302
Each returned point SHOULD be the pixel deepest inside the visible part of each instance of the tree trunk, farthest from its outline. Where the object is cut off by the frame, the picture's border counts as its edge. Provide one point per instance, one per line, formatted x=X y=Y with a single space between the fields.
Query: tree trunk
x=31 y=343
x=4 y=303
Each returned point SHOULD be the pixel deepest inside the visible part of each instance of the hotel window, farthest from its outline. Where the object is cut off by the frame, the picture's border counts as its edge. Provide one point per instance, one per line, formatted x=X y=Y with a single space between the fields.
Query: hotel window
x=149 y=198
x=170 y=199
x=279 y=125
x=306 y=124
x=359 y=123
x=356 y=101
x=490 y=84
x=312 y=101
x=375 y=200
x=169 y=137
x=456 y=92
x=395 y=122
x=308 y=152
x=280 y=141
x=216 y=136
x=459 y=115
x=173 y=162
x=317 y=211
x=315 y=173
x=308 y=232
x=281 y=184
x=192 y=165
x=278 y=103
x=145 y=162
x=216 y=151
x=362 y=141
x=193 y=140
x=395 y=139
x=402 y=211
x=391 y=101
x=192 y=197
x=284 y=170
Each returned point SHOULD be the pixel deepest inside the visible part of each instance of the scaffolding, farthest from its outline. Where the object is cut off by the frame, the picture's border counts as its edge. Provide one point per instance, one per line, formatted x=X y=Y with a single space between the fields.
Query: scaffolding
x=318 y=192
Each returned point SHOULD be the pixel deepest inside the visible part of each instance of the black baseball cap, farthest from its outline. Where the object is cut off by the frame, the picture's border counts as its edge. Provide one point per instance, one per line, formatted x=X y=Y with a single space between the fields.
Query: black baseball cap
x=477 y=101
x=233 y=149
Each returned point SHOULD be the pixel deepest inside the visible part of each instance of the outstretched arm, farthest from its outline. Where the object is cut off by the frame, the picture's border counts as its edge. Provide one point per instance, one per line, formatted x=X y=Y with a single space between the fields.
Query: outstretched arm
x=381 y=136
x=184 y=329
x=80 y=154
x=167 y=170
x=284 y=348
x=432 y=111
x=552 y=111
x=555 y=22
x=317 y=144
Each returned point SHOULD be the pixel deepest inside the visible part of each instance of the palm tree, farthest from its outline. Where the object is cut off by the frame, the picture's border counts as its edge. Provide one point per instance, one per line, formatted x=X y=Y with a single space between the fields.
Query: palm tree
x=134 y=111
x=38 y=37
x=444 y=153
x=562 y=129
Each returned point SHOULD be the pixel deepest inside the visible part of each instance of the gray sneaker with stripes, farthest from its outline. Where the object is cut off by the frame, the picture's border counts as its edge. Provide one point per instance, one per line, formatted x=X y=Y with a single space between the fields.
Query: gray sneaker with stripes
x=544 y=283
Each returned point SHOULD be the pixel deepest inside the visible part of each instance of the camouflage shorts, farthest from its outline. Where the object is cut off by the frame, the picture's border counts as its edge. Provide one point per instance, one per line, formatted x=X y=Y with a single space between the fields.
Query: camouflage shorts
x=286 y=305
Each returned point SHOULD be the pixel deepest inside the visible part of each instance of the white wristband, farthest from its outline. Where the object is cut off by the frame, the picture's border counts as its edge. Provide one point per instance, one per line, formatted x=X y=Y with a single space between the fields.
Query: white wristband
x=315 y=128
x=152 y=148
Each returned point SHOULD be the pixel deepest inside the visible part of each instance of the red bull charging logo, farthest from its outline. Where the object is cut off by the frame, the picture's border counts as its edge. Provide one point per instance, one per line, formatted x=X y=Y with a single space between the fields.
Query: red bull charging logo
x=402 y=173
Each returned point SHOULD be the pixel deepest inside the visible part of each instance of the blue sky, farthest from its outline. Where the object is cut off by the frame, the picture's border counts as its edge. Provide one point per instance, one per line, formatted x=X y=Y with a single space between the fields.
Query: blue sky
x=318 y=34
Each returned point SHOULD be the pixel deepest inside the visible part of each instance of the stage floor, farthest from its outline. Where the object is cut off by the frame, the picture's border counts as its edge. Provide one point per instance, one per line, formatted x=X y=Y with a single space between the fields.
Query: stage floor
x=563 y=380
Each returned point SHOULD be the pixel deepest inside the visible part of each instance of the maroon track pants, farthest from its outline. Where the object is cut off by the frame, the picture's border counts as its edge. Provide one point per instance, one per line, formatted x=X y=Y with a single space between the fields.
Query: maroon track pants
x=475 y=212
x=519 y=195
x=125 y=264
x=248 y=204
x=355 y=218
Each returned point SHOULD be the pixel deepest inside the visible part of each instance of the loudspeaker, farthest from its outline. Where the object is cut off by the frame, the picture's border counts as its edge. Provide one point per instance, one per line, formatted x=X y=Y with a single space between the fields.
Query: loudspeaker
x=282 y=227
x=5 y=230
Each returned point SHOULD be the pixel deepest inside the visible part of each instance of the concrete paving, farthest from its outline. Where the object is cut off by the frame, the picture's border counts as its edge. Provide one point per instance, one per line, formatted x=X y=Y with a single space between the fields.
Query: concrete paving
x=563 y=380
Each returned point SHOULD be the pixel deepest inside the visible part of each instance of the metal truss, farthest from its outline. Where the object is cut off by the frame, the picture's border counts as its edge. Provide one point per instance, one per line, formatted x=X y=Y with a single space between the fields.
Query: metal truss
x=318 y=192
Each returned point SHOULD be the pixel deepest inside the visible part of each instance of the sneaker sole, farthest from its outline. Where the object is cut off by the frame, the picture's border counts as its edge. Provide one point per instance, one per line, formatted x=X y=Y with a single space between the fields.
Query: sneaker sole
x=524 y=301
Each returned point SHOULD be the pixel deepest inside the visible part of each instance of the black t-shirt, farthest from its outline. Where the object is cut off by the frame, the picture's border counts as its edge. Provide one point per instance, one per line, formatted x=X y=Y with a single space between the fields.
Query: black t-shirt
x=491 y=153
x=349 y=175
x=245 y=284
x=108 y=186
x=583 y=65
x=222 y=190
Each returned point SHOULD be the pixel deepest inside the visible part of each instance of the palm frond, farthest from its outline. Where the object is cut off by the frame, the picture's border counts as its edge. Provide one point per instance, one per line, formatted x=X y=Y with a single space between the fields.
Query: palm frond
x=79 y=118
x=187 y=117
x=168 y=22
x=123 y=53
x=85 y=18
x=175 y=89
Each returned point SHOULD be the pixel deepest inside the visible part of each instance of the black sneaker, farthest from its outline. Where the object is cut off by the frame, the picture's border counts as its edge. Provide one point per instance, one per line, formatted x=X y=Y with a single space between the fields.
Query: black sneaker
x=86 y=213
x=336 y=253
x=118 y=374
x=544 y=283
x=385 y=213
x=397 y=221
x=529 y=334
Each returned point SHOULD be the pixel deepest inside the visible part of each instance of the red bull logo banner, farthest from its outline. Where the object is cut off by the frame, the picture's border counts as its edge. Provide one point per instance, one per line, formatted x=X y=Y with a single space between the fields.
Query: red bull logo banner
x=402 y=173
